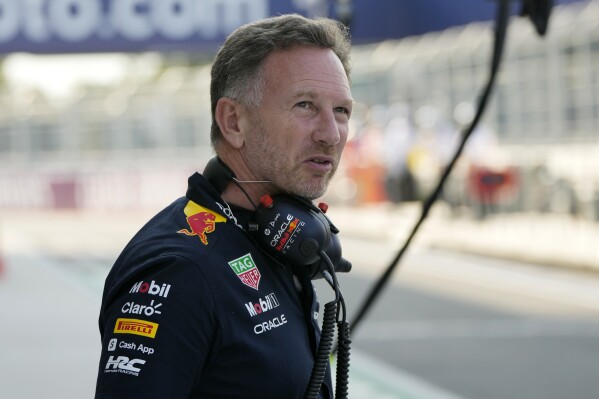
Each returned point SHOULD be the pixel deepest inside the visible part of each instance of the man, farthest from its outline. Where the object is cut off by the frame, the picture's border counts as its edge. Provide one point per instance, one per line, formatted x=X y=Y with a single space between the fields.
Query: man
x=193 y=307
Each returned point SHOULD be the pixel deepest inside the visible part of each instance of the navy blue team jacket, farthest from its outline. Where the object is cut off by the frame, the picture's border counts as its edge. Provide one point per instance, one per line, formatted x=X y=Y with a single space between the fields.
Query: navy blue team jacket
x=193 y=308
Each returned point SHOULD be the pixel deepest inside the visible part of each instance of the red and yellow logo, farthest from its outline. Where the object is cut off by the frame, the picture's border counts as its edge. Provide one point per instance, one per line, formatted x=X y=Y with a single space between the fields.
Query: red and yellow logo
x=202 y=221
x=136 y=327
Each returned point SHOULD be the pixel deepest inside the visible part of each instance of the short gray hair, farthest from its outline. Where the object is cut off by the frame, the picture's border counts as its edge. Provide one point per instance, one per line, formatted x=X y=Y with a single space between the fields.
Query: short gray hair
x=237 y=71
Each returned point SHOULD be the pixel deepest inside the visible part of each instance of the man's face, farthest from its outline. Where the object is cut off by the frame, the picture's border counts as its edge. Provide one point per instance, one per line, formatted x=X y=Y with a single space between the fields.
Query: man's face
x=296 y=137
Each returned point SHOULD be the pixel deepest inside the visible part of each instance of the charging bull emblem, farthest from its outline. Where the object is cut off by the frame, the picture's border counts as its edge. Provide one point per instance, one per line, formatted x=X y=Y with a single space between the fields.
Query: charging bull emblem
x=202 y=221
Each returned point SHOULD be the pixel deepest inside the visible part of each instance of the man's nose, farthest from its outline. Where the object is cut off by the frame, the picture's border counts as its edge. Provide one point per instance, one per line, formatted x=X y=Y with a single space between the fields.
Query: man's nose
x=327 y=130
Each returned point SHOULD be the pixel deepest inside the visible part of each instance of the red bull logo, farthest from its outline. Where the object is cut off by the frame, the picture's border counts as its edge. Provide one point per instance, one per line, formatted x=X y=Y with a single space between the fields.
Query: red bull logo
x=287 y=235
x=202 y=221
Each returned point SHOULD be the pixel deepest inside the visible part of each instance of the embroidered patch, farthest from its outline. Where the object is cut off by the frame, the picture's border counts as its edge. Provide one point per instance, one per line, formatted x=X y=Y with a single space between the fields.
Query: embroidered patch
x=202 y=221
x=247 y=271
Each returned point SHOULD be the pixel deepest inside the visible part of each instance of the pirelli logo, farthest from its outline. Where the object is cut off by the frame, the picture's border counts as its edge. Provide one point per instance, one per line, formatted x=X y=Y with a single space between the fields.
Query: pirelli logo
x=136 y=327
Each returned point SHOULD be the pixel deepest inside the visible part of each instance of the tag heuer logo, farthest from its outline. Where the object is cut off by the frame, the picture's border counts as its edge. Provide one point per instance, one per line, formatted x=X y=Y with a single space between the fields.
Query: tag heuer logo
x=246 y=270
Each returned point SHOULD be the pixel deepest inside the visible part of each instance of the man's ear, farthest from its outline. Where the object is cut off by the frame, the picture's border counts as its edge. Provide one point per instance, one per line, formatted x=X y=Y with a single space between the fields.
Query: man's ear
x=227 y=114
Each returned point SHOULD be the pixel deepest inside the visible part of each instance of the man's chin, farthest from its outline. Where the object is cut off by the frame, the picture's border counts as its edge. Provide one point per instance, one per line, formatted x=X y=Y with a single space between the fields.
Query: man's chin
x=312 y=192
x=309 y=186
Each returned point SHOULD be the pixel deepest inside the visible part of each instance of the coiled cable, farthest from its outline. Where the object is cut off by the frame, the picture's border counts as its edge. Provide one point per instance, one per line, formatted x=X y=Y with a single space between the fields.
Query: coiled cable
x=324 y=349
x=333 y=315
x=343 y=349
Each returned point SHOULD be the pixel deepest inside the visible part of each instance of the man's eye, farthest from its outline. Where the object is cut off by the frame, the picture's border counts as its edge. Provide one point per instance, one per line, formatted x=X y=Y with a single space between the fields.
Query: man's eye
x=343 y=110
x=303 y=104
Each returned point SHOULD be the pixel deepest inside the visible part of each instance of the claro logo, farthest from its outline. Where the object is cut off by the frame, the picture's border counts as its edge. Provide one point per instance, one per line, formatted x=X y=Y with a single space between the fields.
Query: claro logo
x=151 y=288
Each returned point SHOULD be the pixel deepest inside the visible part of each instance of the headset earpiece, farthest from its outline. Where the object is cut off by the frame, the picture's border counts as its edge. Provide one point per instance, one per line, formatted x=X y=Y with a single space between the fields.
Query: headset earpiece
x=291 y=228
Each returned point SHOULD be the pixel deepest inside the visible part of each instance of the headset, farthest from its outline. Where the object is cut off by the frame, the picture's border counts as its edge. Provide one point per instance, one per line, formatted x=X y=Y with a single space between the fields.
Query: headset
x=287 y=226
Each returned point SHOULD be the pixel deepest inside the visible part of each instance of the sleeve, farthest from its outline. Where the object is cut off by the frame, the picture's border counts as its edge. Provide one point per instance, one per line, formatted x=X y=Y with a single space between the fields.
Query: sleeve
x=159 y=330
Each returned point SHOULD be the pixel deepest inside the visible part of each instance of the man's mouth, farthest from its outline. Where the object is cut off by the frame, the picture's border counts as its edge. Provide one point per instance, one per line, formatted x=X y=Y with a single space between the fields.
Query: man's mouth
x=322 y=164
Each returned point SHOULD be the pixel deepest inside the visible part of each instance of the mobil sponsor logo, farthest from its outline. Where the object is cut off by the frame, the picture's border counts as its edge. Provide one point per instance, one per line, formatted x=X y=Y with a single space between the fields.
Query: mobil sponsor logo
x=150 y=288
x=246 y=270
x=136 y=327
x=263 y=305
x=123 y=364
x=146 y=310
x=202 y=221
x=114 y=343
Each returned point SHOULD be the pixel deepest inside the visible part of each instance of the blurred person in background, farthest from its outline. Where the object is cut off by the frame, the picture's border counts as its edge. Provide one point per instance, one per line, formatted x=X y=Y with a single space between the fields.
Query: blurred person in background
x=193 y=307
x=398 y=137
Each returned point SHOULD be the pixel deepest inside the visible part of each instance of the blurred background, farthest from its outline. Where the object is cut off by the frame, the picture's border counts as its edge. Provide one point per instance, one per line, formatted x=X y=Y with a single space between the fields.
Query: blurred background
x=104 y=113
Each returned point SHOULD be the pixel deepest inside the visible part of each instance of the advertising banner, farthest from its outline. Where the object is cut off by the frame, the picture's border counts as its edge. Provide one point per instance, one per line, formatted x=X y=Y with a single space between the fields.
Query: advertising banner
x=95 y=26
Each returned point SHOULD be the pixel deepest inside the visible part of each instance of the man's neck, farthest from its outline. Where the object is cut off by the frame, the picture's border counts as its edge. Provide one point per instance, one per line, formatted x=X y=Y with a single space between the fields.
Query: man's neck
x=233 y=194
